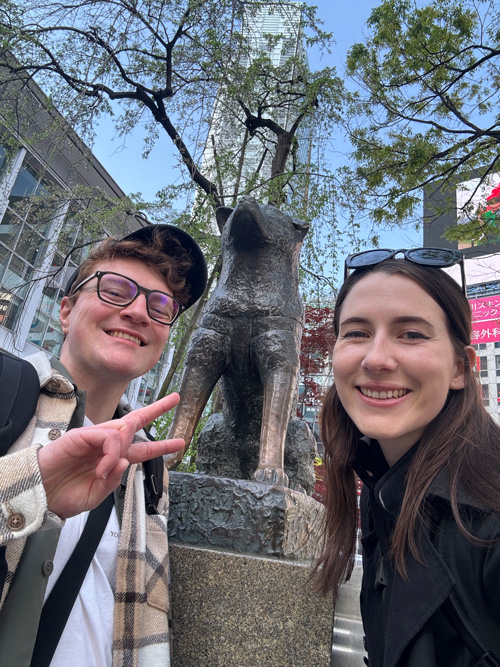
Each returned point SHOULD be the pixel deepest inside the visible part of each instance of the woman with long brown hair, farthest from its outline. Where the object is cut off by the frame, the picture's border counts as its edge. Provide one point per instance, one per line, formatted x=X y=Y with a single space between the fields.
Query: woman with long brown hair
x=406 y=415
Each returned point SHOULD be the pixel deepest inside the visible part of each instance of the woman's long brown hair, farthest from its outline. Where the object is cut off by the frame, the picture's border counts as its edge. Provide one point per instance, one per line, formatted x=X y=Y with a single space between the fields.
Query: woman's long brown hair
x=463 y=440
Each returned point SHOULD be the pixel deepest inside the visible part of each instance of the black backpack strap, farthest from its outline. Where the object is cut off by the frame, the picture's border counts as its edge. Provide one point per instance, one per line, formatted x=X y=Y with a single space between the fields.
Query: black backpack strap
x=19 y=392
x=58 y=606
x=153 y=480
x=466 y=630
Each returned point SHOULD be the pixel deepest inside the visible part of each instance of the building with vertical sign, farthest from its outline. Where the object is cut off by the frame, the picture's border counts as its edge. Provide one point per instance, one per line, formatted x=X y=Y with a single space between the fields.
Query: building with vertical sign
x=468 y=201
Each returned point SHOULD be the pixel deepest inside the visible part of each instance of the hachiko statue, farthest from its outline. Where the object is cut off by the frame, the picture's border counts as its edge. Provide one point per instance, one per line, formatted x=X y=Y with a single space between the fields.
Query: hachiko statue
x=249 y=337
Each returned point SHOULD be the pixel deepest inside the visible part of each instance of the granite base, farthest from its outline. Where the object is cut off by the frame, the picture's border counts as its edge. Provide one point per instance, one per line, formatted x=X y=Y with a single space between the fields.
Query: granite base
x=239 y=610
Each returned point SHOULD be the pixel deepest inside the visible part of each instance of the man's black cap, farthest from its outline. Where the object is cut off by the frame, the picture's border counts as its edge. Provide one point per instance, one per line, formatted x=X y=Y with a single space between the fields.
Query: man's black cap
x=197 y=275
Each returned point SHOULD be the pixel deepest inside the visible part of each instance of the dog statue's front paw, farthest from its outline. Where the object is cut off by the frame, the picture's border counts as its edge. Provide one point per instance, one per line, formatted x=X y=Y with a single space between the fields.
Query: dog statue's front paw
x=271 y=476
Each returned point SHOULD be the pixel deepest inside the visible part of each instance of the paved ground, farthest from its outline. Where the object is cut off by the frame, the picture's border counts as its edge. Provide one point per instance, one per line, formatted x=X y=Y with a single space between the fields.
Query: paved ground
x=348 y=630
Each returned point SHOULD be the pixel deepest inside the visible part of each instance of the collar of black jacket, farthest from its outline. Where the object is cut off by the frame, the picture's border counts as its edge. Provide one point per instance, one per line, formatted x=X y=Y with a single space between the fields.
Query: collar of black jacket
x=440 y=487
x=388 y=484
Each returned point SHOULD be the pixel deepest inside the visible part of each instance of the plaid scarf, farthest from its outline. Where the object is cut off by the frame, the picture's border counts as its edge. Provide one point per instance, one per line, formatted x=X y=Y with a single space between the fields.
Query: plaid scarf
x=141 y=620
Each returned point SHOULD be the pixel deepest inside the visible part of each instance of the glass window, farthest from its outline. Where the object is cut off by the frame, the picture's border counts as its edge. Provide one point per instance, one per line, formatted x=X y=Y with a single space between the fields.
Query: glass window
x=150 y=382
x=486 y=394
x=57 y=262
x=68 y=233
x=45 y=330
x=12 y=305
x=29 y=184
x=142 y=391
x=482 y=346
x=71 y=236
x=25 y=185
x=18 y=275
x=57 y=306
x=483 y=366
x=53 y=339
x=10 y=226
x=42 y=210
x=38 y=328
x=80 y=253
x=3 y=159
x=47 y=301
x=4 y=260
x=27 y=244
x=31 y=246
x=146 y=390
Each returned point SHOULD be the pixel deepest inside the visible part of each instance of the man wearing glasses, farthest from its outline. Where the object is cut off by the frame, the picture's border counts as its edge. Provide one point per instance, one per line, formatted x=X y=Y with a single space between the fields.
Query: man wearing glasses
x=84 y=449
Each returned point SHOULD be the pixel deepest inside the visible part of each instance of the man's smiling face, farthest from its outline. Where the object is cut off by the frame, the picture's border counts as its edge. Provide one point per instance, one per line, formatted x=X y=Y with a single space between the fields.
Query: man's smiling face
x=109 y=341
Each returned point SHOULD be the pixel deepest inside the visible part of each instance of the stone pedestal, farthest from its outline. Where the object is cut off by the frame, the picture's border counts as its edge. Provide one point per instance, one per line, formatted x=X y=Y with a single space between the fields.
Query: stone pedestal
x=241 y=555
x=234 y=610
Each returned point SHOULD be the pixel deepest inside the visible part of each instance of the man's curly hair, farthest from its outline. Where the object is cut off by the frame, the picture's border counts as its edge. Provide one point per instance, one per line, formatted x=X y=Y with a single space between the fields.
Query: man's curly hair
x=164 y=254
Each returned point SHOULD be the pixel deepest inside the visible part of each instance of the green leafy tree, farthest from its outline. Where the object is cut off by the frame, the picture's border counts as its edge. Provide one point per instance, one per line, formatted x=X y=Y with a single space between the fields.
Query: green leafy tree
x=45 y=222
x=164 y=66
x=175 y=67
x=425 y=112
x=165 y=62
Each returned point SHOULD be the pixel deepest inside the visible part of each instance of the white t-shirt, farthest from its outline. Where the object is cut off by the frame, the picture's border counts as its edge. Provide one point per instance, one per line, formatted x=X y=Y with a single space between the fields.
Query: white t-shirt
x=87 y=639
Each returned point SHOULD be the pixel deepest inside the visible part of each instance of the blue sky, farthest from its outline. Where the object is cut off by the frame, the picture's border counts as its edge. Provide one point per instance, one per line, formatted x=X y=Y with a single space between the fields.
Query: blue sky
x=122 y=157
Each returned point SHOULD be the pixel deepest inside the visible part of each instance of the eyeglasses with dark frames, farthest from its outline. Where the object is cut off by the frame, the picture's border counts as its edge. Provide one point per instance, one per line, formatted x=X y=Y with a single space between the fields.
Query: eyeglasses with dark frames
x=439 y=258
x=118 y=290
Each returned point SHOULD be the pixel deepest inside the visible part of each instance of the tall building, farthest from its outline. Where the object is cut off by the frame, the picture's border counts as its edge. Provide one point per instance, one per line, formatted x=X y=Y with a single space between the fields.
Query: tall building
x=273 y=30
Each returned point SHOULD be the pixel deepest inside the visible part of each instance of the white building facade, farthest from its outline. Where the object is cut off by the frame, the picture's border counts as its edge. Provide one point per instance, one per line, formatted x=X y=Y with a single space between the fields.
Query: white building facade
x=273 y=30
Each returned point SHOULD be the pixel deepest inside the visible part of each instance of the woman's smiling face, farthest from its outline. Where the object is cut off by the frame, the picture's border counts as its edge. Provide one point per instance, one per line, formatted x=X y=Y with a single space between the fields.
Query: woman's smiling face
x=393 y=362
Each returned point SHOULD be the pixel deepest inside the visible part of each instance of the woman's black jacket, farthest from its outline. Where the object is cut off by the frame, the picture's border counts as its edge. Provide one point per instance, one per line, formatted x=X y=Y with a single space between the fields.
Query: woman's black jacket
x=412 y=622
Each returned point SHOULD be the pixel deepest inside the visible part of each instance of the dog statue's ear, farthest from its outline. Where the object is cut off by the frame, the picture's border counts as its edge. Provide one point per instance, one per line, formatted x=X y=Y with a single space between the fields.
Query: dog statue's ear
x=221 y=215
x=301 y=226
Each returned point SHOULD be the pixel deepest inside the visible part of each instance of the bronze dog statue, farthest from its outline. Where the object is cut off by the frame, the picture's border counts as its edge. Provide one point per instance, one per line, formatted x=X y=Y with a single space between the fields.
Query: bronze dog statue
x=249 y=337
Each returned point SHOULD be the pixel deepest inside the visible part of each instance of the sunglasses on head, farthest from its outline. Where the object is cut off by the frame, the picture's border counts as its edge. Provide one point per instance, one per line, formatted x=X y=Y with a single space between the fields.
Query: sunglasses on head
x=439 y=258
